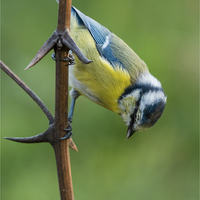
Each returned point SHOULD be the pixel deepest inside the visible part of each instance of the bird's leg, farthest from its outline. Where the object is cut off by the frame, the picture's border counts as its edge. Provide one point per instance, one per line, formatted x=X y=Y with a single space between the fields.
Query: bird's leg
x=74 y=95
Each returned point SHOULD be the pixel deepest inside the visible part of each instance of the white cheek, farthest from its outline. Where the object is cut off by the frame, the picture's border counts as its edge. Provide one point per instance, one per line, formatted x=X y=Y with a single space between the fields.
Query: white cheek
x=127 y=119
x=122 y=107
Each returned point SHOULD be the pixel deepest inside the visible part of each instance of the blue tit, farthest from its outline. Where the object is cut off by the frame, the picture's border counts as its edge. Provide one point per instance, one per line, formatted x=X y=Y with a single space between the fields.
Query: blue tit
x=117 y=79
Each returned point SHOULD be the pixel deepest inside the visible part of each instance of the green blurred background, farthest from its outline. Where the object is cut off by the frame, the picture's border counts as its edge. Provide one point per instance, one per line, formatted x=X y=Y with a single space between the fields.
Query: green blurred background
x=158 y=164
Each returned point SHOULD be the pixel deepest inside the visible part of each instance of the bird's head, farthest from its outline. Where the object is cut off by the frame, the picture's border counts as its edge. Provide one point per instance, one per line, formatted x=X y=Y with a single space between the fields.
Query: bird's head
x=142 y=104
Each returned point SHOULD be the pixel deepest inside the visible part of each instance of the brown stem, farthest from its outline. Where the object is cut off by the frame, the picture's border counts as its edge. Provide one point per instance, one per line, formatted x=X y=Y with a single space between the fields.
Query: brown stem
x=61 y=42
x=61 y=147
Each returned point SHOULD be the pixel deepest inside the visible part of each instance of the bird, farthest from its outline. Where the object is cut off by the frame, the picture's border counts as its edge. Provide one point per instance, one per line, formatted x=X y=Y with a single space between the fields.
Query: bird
x=117 y=79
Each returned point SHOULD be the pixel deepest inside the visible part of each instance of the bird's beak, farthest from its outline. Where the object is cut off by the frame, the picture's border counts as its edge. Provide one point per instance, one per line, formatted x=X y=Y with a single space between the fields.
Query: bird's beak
x=130 y=132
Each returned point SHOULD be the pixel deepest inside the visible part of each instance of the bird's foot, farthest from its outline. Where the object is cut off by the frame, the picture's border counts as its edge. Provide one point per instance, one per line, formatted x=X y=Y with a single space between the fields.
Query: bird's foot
x=68 y=132
x=70 y=59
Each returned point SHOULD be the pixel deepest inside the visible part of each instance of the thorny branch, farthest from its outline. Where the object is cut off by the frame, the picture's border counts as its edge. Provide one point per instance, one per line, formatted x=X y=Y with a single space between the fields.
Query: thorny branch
x=28 y=91
x=46 y=136
x=61 y=42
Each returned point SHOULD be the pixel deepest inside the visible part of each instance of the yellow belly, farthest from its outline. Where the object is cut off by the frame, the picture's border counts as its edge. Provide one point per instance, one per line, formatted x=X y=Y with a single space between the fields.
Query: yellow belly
x=101 y=83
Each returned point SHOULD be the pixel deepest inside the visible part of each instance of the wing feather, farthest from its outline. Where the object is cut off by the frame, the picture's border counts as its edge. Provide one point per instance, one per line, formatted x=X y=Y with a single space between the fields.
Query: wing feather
x=111 y=47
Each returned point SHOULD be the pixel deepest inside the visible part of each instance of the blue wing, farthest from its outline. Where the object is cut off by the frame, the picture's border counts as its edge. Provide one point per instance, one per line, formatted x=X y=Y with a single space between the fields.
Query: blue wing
x=102 y=36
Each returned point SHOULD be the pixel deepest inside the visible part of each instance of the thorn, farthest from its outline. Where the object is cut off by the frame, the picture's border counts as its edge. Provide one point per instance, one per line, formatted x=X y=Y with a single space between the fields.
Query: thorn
x=42 y=137
x=46 y=47
x=33 y=139
x=69 y=42
x=52 y=41
x=72 y=145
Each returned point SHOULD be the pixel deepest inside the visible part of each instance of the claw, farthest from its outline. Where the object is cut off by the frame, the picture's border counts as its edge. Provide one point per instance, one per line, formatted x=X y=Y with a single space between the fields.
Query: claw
x=68 y=129
x=68 y=134
x=69 y=59
x=53 y=56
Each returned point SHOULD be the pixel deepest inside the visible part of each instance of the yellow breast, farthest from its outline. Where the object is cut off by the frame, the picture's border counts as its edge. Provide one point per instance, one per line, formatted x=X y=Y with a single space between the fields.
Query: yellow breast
x=103 y=82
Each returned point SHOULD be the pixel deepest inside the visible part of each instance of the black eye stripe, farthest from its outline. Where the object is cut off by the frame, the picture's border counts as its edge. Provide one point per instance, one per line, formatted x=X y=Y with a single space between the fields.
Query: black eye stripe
x=144 y=88
x=133 y=116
